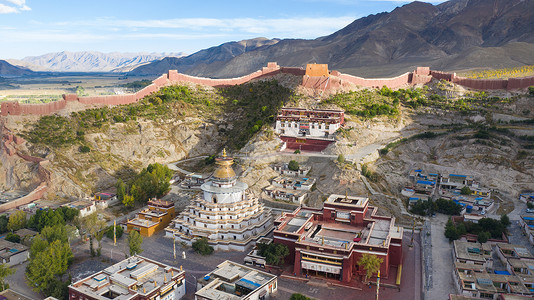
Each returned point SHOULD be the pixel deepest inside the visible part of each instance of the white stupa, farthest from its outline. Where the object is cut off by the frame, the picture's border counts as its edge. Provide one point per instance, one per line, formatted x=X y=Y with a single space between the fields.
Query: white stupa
x=226 y=214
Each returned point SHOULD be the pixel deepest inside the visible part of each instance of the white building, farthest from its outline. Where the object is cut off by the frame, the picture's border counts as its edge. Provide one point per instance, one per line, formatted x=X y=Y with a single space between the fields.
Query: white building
x=226 y=213
x=308 y=122
x=13 y=253
x=232 y=281
x=136 y=277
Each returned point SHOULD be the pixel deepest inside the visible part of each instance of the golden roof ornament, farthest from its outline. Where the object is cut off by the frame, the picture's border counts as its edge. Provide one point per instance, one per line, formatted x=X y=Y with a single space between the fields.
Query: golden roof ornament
x=225 y=170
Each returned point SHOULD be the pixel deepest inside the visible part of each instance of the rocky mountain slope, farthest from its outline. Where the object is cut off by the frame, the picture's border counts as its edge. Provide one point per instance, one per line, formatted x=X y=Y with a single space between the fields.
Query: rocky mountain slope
x=203 y=62
x=90 y=61
x=457 y=34
x=9 y=70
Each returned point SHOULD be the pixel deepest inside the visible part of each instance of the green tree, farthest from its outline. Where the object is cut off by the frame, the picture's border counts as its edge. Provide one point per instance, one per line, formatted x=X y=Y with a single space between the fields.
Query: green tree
x=466 y=191
x=95 y=229
x=202 y=246
x=3 y=223
x=505 y=220
x=57 y=232
x=483 y=236
x=128 y=200
x=5 y=271
x=298 y=296
x=121 y=189
x=274 y=253
x=293 y=165
x=135 y=242
x=370 y=263
x=17 y=221
x=341 y=158
x=118 y=232
x=451 y=232
x=531 y=91
x=15 y=238
x=48 y=266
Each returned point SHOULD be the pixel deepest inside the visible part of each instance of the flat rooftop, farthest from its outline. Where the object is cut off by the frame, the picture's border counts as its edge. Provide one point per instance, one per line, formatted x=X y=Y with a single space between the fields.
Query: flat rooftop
x=142 y=222
x=135 y=275
x=223 y=282
x=472 y=251
x=349 y=201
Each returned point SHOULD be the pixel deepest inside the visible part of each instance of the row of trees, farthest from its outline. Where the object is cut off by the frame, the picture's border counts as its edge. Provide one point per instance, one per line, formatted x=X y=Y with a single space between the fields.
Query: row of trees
x=429 y=207
x=152 y=181
x=485 y=229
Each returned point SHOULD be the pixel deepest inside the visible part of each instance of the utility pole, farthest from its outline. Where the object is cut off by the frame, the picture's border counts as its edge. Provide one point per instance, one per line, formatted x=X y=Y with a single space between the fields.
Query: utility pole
x=377 y=284
x=114 y=233
x=413 y=230
x=174 y=244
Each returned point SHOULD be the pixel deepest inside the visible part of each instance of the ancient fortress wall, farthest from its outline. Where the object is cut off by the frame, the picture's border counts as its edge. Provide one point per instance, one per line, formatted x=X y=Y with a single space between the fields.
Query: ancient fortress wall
x=9 y=142
x=315 y=76
x=485 y=84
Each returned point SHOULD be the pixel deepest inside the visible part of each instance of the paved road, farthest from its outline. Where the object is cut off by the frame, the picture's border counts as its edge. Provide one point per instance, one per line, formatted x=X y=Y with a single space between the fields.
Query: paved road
x=441 y=262
x=17 y=282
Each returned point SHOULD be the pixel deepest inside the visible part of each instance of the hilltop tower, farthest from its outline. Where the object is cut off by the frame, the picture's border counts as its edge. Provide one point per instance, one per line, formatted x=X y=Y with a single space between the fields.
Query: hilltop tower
x=226 y=213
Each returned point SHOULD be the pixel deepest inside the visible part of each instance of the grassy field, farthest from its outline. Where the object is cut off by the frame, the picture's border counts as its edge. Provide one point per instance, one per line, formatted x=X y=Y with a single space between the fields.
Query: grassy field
x=523 y=71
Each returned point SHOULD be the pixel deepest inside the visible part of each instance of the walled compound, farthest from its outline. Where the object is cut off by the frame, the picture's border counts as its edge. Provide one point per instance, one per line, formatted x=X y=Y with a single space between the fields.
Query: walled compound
x=315 y=76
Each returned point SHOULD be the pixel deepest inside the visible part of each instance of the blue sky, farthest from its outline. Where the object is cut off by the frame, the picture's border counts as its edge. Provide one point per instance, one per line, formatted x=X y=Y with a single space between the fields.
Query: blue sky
x=34 y=27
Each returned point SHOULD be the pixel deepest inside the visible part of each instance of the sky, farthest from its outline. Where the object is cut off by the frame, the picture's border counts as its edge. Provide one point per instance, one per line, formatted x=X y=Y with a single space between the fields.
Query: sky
x=35 y=27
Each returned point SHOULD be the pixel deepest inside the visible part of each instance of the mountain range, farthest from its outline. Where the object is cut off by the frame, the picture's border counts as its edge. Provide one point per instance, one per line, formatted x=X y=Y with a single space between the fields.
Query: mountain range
x=89 y=61
x=9 y=70
x=454 y=35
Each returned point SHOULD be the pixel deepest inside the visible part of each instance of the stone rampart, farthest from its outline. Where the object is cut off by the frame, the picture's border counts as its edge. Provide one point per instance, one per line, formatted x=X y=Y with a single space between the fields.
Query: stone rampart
x=44 y=174
x=485 y=84
x=393 y=83
x=335 y=79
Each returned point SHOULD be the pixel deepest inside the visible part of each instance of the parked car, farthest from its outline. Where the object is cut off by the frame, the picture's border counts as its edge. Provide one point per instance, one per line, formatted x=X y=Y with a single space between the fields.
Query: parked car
x=530 y=210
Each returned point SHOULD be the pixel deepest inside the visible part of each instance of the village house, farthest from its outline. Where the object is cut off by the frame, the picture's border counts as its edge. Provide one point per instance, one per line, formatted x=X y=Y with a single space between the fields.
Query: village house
x=152 y=219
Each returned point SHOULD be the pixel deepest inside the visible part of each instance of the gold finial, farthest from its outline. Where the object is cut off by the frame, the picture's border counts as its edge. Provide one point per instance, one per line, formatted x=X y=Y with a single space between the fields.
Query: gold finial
x=144 y=290
x=155 y=284
x=224 y=153
x=181 y=268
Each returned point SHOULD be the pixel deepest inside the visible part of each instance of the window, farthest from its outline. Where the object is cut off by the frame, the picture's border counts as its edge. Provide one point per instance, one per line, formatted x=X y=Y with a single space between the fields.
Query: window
x=235 y=237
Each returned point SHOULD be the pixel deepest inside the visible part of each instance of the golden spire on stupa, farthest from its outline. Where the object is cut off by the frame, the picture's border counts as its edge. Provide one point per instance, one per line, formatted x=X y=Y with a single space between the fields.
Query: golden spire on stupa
x=225 y=170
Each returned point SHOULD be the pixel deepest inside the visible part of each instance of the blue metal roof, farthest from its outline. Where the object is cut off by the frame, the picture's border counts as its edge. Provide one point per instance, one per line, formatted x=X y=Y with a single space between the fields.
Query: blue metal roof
x=251 y=285
x=529 y=218
x=426 y=182
x=502 y=272
x=456 y=175
x=419 y=170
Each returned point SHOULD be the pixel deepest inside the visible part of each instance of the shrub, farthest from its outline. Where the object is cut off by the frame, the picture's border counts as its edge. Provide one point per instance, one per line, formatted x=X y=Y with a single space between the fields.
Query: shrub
x=297 y=151
x=466 y=191
x=341 y=158
x=293 y=165
x=15 y=238
x=201 y=246
x=531 y=91
x=530 y=205
x=85 y=149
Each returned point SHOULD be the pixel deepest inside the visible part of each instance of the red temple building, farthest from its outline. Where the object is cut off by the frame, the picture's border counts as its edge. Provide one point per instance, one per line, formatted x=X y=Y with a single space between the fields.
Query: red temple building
x=329 y=242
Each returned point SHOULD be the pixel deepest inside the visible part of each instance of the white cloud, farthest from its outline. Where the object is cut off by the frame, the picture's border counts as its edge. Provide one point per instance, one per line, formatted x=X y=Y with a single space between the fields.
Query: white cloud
x=305 y=27
x=20 y=5
x=5 y=9
x=17 y=2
